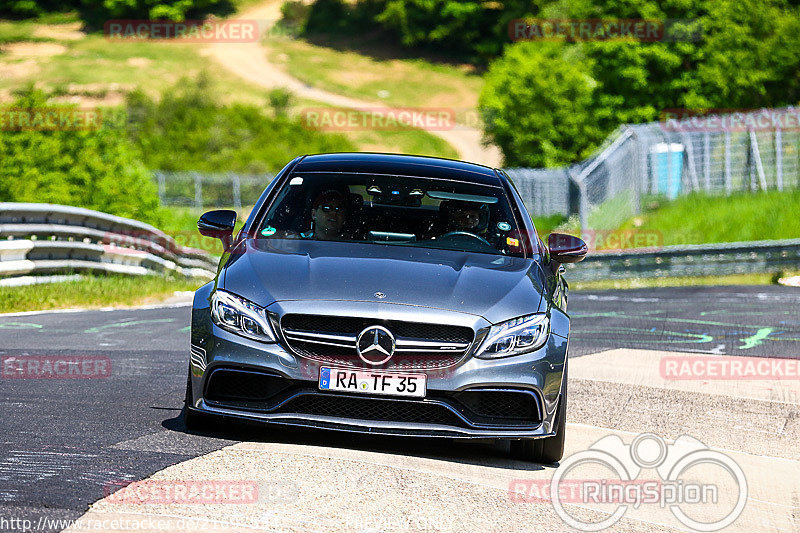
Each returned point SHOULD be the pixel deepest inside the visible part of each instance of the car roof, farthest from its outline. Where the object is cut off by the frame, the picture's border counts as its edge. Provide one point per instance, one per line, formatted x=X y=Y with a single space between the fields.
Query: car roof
x=401 y=165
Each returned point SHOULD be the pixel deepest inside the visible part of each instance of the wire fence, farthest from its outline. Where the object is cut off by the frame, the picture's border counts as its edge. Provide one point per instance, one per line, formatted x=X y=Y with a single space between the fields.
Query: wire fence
x=545 y=191
x=716 y=154
x=201 y=190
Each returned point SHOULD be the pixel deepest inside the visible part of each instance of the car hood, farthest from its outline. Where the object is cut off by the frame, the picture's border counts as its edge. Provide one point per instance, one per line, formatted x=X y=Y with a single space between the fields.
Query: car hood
x=494 y=287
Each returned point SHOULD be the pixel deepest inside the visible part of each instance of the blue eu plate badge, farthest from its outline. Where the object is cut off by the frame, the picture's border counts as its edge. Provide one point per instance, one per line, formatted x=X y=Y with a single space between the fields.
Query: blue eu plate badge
x=324 y=378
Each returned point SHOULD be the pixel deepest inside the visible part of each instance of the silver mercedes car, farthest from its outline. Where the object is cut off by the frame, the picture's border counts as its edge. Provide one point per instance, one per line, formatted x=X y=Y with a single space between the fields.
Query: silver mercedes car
x=386 y=294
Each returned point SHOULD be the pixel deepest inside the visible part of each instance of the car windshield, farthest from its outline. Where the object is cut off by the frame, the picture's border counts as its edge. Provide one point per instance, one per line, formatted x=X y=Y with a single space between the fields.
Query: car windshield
x=395 y=210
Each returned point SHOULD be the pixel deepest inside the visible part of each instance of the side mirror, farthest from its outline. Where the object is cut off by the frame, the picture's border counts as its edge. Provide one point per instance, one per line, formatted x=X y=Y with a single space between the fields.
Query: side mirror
x=218 y=224
x=566 y=248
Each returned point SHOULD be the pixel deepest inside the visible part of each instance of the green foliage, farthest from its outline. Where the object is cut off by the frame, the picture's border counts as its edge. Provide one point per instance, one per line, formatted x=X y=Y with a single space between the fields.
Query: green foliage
x=280 y=100
x=157 y=9
x=335 y=17
x=326 y=15
x=97 y=12
x=35 y=8
x=97 y=169
x=294 y=14
x=460 y=27
x=539 y=104
x=190 y=129
x=746 y=58
x=749 y=56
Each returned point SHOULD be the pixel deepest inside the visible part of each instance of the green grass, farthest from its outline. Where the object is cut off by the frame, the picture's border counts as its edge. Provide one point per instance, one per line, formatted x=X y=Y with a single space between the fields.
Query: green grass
x=644 y=283
x=94 y=60
x=549 y=224
x=699 y=219
x=612 y=212
x=94 y=291
x=11 y=32
x=406 y=82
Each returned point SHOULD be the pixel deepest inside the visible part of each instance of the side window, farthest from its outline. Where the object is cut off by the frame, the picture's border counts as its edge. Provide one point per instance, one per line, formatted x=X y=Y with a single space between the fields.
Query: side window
x=287 y=213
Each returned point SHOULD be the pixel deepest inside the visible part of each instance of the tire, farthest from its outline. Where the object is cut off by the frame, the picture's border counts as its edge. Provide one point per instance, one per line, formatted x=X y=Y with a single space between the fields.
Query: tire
x=548 y=450
x=193 y=420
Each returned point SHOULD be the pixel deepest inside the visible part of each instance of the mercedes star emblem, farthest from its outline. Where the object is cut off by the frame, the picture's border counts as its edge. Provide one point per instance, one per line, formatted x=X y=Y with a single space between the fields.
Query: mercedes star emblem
x=375 y=345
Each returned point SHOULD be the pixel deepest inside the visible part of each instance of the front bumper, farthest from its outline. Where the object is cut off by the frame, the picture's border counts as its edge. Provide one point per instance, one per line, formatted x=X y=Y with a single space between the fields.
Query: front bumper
x=537 y=374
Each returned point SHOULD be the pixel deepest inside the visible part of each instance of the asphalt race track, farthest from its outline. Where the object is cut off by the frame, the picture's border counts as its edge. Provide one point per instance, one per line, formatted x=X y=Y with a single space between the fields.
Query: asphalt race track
x=65 y=442
x=750 y=321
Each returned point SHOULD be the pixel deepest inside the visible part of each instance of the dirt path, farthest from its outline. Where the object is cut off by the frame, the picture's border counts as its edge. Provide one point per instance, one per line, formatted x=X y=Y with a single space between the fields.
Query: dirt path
x=249 y=61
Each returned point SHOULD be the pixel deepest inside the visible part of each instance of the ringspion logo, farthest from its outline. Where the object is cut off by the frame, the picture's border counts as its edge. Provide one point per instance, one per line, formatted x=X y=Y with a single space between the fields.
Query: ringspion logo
x=679 y=486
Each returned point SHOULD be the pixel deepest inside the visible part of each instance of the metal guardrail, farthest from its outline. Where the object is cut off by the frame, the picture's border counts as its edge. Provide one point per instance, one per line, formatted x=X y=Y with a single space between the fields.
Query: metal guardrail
x=47 y=238
x=689 y=260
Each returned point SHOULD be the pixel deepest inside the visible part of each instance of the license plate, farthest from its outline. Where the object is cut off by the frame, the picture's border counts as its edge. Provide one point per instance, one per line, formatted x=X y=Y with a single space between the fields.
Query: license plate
x=366 y=382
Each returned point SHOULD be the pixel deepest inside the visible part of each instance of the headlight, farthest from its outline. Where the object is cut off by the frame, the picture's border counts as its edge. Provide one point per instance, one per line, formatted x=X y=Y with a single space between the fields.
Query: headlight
x=240 y=316
x=514 y=337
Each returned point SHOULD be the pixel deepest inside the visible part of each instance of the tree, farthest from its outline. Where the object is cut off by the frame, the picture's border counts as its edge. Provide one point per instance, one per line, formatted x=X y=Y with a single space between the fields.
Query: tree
x=95 y=168
x=538 y=102
x=745 y=55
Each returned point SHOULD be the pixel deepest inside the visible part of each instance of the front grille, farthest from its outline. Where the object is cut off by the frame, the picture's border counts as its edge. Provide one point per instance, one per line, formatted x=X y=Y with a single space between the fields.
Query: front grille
x=353 y=325
x=372 y=409
x=420 y=361
x=331 y=340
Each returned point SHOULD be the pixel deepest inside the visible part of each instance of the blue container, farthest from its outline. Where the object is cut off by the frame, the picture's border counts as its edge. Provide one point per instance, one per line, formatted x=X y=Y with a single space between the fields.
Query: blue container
x=666 y=164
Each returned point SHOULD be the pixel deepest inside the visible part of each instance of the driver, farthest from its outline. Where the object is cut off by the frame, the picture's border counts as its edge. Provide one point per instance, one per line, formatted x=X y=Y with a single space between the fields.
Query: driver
x=328 y=215
x=464 y=216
